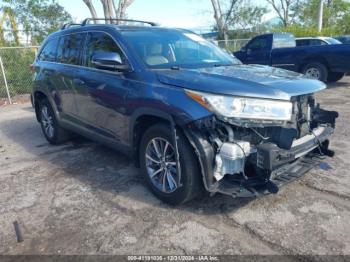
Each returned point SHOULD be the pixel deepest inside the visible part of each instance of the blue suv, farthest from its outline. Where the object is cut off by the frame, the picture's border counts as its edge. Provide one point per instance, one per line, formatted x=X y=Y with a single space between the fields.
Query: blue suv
x=191 y=115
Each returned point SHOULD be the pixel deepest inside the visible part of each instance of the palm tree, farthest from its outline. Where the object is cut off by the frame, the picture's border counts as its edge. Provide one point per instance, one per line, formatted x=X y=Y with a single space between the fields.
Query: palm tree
x=8 y=13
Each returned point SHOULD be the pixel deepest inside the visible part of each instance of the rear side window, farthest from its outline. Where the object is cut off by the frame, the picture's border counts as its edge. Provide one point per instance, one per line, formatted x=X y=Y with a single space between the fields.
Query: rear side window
x=100 y=42
x=70 y=48
x=49 y=51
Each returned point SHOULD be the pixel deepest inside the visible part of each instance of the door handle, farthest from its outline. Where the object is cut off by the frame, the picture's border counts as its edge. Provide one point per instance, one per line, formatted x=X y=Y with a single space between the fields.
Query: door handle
x=78 y=82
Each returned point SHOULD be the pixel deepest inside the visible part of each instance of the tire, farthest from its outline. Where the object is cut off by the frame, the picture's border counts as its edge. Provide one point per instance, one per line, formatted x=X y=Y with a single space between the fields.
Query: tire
x=316 y=71
x=52 y=131
x=334 y=77
x=190 y=180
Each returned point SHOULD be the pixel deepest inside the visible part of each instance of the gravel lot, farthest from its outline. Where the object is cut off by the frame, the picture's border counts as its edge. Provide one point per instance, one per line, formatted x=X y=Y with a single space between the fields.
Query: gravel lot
x=82 y=198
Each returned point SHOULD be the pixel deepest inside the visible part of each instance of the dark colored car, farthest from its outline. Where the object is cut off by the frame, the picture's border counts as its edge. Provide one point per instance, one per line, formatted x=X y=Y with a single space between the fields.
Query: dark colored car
x=191 y=115
x=324 y=63
x=345 y=39
x=316 y=41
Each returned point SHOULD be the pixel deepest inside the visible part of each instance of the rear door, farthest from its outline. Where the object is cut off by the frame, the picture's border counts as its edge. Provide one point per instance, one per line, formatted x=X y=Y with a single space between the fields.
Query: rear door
x=45 y=67
x=100 y=94
x=69 y=65
x=258 y=50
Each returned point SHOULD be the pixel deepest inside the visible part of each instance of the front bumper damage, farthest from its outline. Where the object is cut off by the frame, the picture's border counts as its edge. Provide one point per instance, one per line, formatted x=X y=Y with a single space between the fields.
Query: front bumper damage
x=268 y=165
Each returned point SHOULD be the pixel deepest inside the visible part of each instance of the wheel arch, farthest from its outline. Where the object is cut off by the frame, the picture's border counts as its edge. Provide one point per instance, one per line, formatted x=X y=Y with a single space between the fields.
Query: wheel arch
x=148 y=117
x=140 y=121
x=313 y=59
x=38 y=96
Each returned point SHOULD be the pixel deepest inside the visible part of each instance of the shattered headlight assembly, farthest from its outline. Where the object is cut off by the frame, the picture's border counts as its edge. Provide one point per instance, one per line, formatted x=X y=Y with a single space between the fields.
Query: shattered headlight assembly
x=244 y=108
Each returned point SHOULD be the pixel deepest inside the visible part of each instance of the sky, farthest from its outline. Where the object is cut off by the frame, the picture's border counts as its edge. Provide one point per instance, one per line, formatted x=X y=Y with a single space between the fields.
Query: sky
x=192 y=14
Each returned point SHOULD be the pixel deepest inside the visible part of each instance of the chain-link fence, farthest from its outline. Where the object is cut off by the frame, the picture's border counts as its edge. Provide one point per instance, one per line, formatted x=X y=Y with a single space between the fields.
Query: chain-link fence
x=15 y=74
x=232 y=45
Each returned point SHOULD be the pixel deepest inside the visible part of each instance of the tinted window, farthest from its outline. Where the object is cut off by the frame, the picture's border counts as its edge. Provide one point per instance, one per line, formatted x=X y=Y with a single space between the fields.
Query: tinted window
x=49 y=51
x=316 y=42
x=260 y=43
x=303 y=42
x=99 y=42
x=70 y=48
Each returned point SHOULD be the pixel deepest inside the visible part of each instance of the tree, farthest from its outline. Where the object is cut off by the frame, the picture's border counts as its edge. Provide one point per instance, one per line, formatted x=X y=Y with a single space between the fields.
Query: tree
x=8 y=13
x=286 y=10
x=223 y=18
x=335 y=13
x=91 y=7
x=37 y=18
x=110 y=9
x=248 y=16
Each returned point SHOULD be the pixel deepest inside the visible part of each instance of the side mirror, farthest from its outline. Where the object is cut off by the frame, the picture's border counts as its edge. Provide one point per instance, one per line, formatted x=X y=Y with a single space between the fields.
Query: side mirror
x=109 y=61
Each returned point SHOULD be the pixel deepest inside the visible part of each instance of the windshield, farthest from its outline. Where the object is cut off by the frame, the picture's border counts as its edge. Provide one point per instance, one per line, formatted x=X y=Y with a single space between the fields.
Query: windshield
x=164 y=48
x=333 y=41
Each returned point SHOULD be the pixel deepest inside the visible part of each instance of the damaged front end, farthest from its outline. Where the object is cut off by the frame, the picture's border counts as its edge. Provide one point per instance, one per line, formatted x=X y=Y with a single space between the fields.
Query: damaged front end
x=244 y=158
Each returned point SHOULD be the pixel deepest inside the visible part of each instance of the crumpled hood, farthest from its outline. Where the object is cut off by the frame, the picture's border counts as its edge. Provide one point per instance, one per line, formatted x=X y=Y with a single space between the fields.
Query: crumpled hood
x=242 y=80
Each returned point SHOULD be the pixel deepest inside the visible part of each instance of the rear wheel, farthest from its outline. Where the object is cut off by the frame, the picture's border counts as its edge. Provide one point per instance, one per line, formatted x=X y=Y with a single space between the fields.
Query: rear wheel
x=158 y=165
x=49 y=124
x=334 y=77
x=316 y=71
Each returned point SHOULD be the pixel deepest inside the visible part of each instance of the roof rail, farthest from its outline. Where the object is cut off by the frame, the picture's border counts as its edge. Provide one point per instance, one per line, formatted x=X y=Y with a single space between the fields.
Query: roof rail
x=87 y=20
x=65 y=26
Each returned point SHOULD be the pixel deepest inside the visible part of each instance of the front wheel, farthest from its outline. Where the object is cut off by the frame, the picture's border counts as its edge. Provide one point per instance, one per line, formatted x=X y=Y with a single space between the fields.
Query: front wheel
x=316 y=71
x=158 y=165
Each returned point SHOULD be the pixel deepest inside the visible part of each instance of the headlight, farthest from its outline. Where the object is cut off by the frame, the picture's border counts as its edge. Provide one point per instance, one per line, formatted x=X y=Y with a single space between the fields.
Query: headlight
x=244 y=108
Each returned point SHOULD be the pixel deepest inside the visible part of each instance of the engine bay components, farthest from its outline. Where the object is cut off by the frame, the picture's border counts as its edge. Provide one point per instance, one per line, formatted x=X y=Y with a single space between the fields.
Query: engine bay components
x=231 y=158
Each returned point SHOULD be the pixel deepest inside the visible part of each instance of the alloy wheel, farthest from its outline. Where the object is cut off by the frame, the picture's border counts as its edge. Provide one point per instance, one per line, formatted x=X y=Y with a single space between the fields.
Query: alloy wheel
x=47 y=121
x=313 y=73
x=161 y=165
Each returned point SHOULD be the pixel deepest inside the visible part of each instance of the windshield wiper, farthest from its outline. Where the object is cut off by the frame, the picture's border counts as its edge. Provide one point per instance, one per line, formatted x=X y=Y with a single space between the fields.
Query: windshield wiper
x=219 y=65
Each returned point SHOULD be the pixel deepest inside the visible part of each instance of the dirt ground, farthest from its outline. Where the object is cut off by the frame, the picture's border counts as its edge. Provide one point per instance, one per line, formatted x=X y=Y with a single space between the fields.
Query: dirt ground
x=83 y=198
x=18 y=99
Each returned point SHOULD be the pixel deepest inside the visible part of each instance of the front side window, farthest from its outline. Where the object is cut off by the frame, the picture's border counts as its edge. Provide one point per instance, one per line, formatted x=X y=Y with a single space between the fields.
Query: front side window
x=99 y=43
x=70 y=48
x=49 y=51
x=175 y=48
x=260 y=43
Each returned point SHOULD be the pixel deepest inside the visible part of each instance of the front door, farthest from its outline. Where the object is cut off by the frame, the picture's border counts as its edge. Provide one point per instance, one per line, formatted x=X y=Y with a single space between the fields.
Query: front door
x=258 y=51
x=69 y=61
x=100 y=94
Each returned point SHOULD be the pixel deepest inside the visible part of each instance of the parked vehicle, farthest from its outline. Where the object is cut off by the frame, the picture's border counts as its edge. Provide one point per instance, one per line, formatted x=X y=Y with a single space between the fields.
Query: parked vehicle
x=324 y=63
x=345 y=39
x=191 y=115
x=316 y=41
